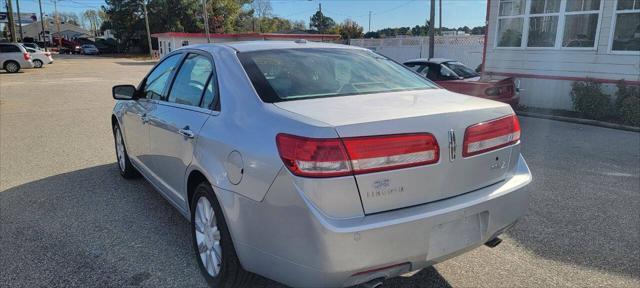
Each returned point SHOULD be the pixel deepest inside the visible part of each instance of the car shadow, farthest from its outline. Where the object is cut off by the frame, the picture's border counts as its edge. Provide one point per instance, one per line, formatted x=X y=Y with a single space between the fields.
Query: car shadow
x=138 y=63
x=91 y=227
x=585 y=196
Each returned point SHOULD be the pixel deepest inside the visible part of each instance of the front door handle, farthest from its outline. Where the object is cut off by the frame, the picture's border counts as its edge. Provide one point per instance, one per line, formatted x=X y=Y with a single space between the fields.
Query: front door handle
x=143 y=118
x=186 y=132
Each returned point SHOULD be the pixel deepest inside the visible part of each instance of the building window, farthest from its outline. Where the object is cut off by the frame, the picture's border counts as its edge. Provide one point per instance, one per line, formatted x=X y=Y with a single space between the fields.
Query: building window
x=169 y=47
x=510 y=23
x=539 y=23
x=581 y=23
x=626 y=29
x=543 y=23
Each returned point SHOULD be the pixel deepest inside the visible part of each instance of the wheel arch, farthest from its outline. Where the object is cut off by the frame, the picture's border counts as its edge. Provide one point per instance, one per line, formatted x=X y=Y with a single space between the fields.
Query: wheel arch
x=193 y=180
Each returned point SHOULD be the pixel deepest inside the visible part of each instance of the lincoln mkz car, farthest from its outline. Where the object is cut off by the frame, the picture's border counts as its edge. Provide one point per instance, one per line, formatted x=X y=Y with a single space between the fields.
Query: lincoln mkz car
x=319 y=165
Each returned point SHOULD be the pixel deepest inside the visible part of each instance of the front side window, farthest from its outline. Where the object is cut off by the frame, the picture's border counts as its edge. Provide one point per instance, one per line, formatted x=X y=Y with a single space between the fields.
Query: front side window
x=626 y=33
x=290 y=74
x=157 y=80
x=191 y=80
x=421 y=69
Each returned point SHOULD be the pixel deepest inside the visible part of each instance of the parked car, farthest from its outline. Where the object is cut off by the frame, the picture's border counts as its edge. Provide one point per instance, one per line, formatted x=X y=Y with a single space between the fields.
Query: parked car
x=32 y=46
x=319 y=165
x=39 y=57
x=89 y=49
x=456 y=77
x=14 y=57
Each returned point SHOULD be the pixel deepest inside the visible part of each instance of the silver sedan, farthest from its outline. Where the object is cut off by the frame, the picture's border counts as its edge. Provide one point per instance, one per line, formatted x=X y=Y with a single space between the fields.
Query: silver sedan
x=319 y=165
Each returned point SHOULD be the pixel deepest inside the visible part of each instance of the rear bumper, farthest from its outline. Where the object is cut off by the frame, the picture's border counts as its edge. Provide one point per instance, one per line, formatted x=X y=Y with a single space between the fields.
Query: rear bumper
x=287 y=239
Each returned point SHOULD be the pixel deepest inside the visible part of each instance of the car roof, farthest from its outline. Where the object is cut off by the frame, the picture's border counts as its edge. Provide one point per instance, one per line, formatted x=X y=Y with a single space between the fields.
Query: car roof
x=429 y=60
x=247 y=46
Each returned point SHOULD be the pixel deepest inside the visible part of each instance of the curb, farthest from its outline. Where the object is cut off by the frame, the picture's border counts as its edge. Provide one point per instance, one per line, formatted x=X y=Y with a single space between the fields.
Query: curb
x=580 y=121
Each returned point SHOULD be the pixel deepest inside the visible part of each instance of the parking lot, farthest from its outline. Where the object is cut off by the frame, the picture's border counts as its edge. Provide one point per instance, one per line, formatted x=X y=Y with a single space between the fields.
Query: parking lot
x=67 y=218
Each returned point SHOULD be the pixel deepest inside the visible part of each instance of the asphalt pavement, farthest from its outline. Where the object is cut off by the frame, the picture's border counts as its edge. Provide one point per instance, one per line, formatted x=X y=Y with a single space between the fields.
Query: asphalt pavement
x=67 y=218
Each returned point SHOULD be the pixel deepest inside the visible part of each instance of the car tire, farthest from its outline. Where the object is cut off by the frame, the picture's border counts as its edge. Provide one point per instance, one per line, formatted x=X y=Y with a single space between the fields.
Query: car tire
x=37 y=63
x=11 y=66
x=229 y=270
x=122 y=157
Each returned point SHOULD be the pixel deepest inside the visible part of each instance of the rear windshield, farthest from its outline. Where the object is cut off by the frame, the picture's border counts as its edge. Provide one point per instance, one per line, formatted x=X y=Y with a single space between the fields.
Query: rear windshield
x=290 y=74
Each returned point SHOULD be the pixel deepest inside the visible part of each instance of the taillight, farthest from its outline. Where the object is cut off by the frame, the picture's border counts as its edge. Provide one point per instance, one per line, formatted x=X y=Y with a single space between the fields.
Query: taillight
x=26 y=56
x=491 y=135
x=502 y=91
x=319 y=157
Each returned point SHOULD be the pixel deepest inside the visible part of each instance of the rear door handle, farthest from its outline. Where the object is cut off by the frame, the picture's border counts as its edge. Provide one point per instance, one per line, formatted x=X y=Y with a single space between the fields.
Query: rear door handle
x=186 y=132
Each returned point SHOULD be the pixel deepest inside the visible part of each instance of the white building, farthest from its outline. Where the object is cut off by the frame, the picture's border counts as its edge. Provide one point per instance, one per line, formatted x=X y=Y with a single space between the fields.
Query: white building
x=549 y=44
x=171 y=40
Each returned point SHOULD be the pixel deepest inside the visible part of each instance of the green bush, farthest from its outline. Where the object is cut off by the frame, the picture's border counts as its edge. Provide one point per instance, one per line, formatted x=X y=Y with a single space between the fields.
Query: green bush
x=628 y=103
x=630 y=111
x=589 y=99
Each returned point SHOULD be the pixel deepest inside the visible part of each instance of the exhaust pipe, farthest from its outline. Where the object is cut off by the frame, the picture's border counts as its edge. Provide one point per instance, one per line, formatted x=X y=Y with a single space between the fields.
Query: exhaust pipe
x=375 y=283
x=493 y=242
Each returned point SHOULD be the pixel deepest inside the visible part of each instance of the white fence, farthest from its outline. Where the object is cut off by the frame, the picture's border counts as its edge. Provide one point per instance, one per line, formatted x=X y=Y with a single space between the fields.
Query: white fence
x=466 y=49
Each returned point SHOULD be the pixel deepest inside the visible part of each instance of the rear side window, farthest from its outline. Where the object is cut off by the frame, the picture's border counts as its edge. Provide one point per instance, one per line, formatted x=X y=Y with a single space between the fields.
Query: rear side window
x=211 y=94
x=156 y=82
x=9 y=48
x=191 y=80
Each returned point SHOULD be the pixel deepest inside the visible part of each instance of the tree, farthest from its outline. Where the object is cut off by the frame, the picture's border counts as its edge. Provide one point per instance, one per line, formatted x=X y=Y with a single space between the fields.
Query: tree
x=261 y=8
x=372 y=34
x=70 y=17
x=349 y=29
x=479 y=30
x=321 y=23
x=299 y=25
x=94 y=20
x=224 y=14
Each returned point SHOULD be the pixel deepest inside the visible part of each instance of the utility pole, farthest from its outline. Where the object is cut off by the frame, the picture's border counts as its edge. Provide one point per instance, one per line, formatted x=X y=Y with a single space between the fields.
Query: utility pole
x=55 y=7
x=205 y=16
x=369 y=21
x=439 y=18
x=12 y=27
x=19 y=20
x=146 y=23
x=431 y=28
x=44 y=39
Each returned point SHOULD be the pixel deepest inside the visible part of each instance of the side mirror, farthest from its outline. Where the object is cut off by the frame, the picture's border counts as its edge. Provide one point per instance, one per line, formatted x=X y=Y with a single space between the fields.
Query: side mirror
x=123 y=92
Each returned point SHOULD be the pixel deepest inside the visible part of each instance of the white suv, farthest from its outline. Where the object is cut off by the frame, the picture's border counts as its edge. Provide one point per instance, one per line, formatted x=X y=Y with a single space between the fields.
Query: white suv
x=14 y=57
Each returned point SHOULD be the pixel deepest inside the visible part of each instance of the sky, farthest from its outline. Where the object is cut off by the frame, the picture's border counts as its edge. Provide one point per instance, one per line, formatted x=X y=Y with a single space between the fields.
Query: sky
x=384 y=13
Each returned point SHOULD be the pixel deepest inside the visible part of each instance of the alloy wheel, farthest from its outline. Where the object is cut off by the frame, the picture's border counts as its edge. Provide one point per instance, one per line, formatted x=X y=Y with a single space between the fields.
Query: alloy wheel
x=208 y=237
x=120 y=150
x=12 y=67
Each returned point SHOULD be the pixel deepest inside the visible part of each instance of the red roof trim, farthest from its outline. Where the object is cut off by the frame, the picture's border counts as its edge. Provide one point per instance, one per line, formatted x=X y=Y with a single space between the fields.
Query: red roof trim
x=566 y=78
x=247 y=35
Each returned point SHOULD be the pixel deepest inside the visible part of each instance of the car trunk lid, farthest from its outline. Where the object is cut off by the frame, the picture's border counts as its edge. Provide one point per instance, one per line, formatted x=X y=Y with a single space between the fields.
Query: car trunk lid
x=441 y=113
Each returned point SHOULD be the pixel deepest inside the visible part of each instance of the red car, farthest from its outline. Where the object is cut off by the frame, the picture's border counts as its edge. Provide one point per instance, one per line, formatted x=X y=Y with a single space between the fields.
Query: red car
x=455 y=76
